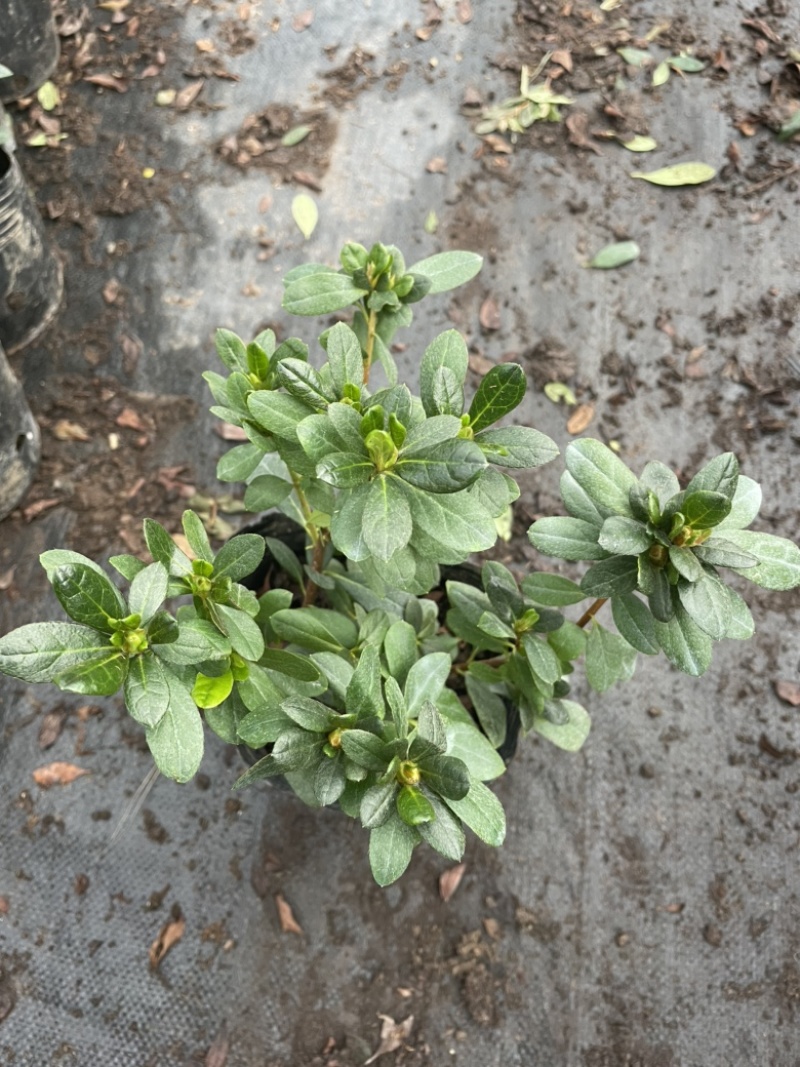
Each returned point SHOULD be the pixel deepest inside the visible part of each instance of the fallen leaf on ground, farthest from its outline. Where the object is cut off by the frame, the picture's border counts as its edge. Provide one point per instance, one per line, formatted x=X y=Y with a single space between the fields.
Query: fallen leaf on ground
x=57 y=773
x=305 y=213
x=393 y=1036
x=577 y=124
x=302 y=21
x=489 y=314
x=7 y=578
x=497 y=143
x=563 y=57
x=107 y=81
x=4 y=905
x=431 y=224
x=303 y=177
x=438 y=165
x=65 y=430
x=678 y=174
x=479 y=364
x=111 y=290
x=638 y=143
x=789 y=692
x=558 y=391
x=32 y=510
x=186 y=97
x=763 y=28
x=205 y=45
x=50 y=730
x=170 y=935
x=132 y=349
x=580 y=418
x=129 y=419
x=615 y=255
x=217 y=1055
x=492 y=928
x=295 y=136
x=286 y=918
x=450 y=880
x=464 y=11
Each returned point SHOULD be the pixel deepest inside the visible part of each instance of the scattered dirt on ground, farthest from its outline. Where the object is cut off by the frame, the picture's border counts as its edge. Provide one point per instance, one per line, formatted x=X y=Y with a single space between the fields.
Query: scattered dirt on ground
x=95 y=441
x=257 y=143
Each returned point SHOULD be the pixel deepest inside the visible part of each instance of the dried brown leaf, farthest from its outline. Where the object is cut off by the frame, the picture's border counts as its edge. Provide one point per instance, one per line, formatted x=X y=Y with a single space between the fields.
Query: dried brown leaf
x=170 y=935
x=50 y=730
x=228 y=432
x=205 y=45
x=580 y=418
x=479 y=364
x=32 y=510
x=577 y=123
x=107 y=81
x=4 y=906
x=65 y=430
x=721 y=60
x=129 y=419
x=111 y=290
x=450 y=880
x=57 y=773
x=789 y=692
x=393 y=1036
x=563 y=57
x=497 y=143
x=302 y=21
x=186 y=97
x=302 y=177
x=489 y=315
x=464 y=11
x=286 y=918
x=760 y=26
x=132 y=349
x=472 y=97
x=492 y=928
x=424 y=33
x=437 y=165
x=217 y=1055
x=7 y=579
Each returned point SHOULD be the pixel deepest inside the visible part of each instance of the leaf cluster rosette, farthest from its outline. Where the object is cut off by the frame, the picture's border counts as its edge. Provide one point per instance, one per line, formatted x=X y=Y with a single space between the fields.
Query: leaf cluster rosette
x=344 y=676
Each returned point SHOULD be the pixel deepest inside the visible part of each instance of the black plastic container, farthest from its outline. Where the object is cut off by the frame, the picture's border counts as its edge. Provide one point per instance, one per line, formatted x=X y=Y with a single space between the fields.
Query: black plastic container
x=31 y=279
x=277 y=525
x=19 y=441
x=28 y=46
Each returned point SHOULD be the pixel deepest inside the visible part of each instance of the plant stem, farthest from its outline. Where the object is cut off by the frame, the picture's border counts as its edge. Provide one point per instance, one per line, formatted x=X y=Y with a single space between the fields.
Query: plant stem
x=591 y=611
x=372 y=321
x=317 y=540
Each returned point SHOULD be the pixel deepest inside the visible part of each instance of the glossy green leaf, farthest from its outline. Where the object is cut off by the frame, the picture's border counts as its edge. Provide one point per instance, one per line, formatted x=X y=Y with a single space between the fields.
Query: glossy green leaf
x=413 y=806
x=704 y=509
x=210 y=692
x=445 y=468
x=146 y=690
x=300 y=379
x=501 y=390
x=390 y=847
x=88 y=596
x=239 y=557
x=635 y=623
x=446 y=776
x=678 y=174
x=346 y=470
x=615 y=255
x=100 y=674
x=164 y=550
x=366 y=749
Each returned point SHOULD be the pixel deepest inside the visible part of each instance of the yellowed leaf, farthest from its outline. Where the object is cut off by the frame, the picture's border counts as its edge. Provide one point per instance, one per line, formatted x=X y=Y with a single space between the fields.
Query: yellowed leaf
x=170 y=935
x=57 y=773
x=393 y=1036
x=65 y=430
x=286 y=918
x=450 y=880
x=580 y=418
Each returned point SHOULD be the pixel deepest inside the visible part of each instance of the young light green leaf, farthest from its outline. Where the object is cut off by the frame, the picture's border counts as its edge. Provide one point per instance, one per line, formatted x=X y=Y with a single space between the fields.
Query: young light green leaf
x=88 y=596
x=148 y=591
x=48 y=96
x=661 y=74
x=305 y=213
x=638 y=143
x=293 y=137
x=678 y=174
x=557 y=391
x=778 y=558
x=320 y=293
x=686 y=64
x=448 y=270
x=615 y=255
x=210 y=692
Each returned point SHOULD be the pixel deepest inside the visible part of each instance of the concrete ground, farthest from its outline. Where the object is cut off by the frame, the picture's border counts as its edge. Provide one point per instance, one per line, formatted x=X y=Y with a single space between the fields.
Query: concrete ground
x=644 y=908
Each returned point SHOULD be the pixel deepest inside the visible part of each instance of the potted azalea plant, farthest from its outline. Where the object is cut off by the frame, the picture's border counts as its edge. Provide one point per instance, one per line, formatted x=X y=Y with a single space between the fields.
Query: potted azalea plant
x=346 y=648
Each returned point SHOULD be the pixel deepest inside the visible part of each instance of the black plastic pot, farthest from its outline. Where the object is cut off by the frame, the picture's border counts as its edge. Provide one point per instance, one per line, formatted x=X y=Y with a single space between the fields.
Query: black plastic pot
x=31 y=279
x=19 y=441
x=28 y=46
x=276 y=525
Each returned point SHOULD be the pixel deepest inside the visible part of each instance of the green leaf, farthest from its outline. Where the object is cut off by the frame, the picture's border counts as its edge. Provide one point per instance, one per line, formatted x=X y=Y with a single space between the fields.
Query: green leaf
x=686 y=563
x=198 y=640
x=263 y=725
x=661 y=74
x=305 y=213
x=611 y=577
x=387 y=518
x=448 y=270
x=516 y=447
x=790 y=128
x=300 y=668
x=686 y=64
x=320 y=437
x=448 y=351
x=482 y=812
x=425 y=680
x=295 y=136
x=239 y=557
x=638 y=143
x=211 y=692
x=720 y=475
x=706 y=601
x=285 y=558
x=320 y=293
x=703 y=510
x=624 y=536
x=685 y=644
x=615 y=255
x=451 y=525
x=101 y=674
x=231 y=350
x=569 y=734
x=568 y=641
x=400 y=650
x=578 y=502
x=603 y=476
x=224 y=720
x=41 y=651
x=446 y=775
x=543 y=661
x=390 y=849
x=721 y=553
x=678 y=174
x=88 y=596
x=635 y=57
x=242 y=632
x=430 y=725
x=499 y=393
x=609 y=659
x=297 y=750
x=366 y=749
x=467 y=743
x=302 y=380
x=62 y=557
x=126 y=565
x=489 y=709
x=778 y=559
x=329 y=781
x=364 y=697
x=345 y=357
x=164 y=550
x=176 y=741
x=146 y=690
x=196 y=536
x=567 y=538
x=663 y=482
x=745 y=506
x=347 y=525
x=446 y=468
x=278 y=413
x=148 y=591
x=309 y=714
x=413 y=806
x=265 y=768
x=740 y=625
x=346 y=470
x=443 y=833
x=635 y=623
x=317 y=629
x=551 y=590
x=377 y=804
